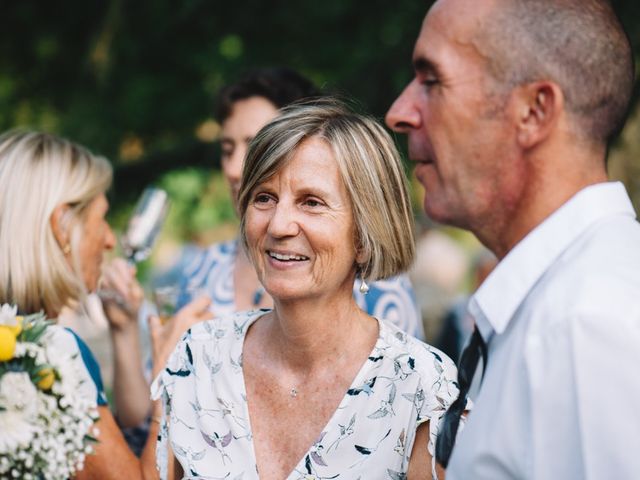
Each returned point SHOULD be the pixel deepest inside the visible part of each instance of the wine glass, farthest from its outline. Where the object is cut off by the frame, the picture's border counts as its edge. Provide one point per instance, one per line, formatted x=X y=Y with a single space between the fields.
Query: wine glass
x=141 y=233
x=145 y=224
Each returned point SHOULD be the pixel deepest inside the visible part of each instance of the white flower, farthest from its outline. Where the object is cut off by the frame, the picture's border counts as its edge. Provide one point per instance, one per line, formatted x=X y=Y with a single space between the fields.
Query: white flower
x=19 y=398
x=8 y=315
x=17 y=393
x=17 y=431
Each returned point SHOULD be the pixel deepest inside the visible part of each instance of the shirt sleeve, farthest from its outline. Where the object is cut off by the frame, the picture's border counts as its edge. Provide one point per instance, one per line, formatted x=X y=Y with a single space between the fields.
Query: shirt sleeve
x=178 y=367
x=439 y=392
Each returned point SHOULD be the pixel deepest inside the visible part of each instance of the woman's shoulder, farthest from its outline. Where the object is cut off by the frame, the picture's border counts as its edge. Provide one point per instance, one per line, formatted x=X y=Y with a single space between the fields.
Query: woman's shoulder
x=64 y=342
x=232 y=326
x=226 y=332
x=427 y=361
x=206 y=346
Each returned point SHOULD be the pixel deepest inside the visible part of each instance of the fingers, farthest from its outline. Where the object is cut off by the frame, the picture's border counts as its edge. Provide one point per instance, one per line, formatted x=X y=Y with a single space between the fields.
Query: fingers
x=120 y=286
x=120 y=276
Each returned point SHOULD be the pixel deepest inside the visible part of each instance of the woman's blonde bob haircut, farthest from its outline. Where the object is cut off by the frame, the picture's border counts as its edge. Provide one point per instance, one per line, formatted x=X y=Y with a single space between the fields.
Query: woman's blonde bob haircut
x=39 y=172
x=370 y=168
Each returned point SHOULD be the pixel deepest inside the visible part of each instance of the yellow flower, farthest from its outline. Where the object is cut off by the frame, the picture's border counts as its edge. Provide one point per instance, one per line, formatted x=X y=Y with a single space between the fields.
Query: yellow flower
x=17 y=328
x=7 y=343
x=46 y=379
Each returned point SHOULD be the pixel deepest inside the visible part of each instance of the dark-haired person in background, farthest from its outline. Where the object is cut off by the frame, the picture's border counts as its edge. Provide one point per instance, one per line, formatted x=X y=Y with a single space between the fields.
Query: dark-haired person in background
x=509 y=116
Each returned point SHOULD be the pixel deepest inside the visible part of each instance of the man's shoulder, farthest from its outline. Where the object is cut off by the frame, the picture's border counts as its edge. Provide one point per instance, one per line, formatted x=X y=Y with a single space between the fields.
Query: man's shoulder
x=599 y=273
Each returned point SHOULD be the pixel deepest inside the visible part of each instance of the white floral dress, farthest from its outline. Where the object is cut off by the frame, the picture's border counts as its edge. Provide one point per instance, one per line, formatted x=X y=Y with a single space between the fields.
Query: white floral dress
x=402 y=384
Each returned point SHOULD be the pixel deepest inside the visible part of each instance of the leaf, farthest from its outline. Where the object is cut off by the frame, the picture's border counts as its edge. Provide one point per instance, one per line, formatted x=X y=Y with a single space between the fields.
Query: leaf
x=208 y=439
x=226 y=440
x=178 y=373
x=396 y=475
x=189 y=355
x=380 y=413
x=363 y=450
x=198 y=455
x=376 y=359
x=392 y=393
x=412 y=363
x=318 y=459
x=439 y=368
x=179 y=450
x=438 y=357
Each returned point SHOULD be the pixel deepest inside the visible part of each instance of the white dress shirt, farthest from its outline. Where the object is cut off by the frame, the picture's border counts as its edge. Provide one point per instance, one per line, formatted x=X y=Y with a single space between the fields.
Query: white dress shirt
x=560 y=398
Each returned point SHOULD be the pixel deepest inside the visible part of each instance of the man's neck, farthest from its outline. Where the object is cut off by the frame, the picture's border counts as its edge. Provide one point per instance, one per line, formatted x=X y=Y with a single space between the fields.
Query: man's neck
x=552 y=178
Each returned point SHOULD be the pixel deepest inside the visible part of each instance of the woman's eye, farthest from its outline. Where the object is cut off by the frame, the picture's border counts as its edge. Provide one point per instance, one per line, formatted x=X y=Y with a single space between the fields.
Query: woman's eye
x=262 y=198
x=312 y=202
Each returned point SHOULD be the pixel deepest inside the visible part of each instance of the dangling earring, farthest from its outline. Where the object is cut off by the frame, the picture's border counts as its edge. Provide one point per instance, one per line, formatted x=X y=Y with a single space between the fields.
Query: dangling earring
x=66 y=250
x=364 y=288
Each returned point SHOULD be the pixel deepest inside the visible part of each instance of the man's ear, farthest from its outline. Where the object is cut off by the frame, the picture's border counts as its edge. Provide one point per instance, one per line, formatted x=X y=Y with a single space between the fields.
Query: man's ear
x=60 y=224
x=539 y=106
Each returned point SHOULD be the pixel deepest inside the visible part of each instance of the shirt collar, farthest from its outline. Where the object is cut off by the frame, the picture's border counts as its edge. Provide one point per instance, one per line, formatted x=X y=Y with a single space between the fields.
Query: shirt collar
x=495 y=302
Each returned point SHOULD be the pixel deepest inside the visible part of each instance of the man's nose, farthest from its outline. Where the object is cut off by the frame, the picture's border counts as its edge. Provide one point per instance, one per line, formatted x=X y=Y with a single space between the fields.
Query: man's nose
x=404 y=114
x=233 y=168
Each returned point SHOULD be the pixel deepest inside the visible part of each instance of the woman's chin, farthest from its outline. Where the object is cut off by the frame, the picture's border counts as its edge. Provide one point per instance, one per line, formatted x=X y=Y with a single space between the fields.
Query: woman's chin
x=287 y=293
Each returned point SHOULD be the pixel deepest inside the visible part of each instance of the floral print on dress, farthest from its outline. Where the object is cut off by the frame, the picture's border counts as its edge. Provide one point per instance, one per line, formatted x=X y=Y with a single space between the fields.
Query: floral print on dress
x=402 y=384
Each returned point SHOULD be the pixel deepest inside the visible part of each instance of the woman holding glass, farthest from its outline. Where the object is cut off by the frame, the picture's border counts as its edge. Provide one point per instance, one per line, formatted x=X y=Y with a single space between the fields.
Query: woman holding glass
x=316 y=387
x=53 y=235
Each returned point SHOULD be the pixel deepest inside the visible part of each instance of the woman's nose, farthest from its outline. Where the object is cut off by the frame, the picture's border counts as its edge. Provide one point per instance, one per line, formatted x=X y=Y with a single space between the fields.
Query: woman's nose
x=283 y=221
x=404 y=114
x=109 y=239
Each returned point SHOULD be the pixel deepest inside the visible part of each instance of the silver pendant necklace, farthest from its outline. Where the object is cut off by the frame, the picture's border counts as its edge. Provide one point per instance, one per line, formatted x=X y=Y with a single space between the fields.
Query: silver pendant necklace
x=293 y=393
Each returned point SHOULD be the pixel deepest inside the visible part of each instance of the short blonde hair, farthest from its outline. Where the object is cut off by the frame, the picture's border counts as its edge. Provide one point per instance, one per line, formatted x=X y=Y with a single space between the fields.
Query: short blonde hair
x=370 y=168
x=38 y=172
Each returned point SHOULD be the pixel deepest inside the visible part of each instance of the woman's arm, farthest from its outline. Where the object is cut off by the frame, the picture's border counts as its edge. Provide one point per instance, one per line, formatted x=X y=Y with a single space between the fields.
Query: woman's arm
x=121 y=305
x=113 y=460
x=421 y=460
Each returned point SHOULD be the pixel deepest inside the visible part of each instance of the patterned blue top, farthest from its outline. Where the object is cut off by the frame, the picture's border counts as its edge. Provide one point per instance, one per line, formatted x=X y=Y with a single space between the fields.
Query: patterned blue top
x=402 y=384
x=212 y=272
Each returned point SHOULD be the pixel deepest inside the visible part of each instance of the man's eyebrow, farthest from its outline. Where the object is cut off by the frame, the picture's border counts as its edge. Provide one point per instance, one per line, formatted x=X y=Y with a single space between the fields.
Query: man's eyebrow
x=424 y=65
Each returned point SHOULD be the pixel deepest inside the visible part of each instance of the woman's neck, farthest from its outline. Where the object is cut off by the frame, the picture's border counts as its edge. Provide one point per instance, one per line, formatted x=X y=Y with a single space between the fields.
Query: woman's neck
x=306 y=334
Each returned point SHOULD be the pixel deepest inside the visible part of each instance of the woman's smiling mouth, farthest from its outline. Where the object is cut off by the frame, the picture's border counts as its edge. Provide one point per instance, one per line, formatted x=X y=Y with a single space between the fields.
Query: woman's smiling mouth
x=286 y=257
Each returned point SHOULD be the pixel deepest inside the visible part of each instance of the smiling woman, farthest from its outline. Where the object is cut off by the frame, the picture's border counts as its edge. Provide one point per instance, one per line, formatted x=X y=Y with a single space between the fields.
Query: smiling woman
x=316 y=388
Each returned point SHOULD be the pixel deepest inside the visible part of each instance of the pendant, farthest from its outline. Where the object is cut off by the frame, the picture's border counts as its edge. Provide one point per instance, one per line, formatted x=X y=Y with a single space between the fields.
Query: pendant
x=293 y=393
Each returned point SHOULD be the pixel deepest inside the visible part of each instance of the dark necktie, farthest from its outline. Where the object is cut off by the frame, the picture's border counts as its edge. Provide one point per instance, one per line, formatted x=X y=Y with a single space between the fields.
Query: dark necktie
x=449 y=426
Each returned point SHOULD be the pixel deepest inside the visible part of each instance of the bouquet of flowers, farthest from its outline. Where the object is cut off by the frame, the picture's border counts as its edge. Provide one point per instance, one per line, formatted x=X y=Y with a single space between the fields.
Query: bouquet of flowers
x=46 y=427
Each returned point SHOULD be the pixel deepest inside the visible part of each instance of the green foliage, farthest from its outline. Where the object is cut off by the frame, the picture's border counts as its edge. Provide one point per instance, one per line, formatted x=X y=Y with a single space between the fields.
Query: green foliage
x=134 y=81
x=200 y=202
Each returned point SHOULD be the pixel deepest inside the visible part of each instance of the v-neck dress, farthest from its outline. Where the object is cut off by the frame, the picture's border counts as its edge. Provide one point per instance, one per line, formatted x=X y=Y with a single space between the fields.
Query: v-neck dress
x=402 y=384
